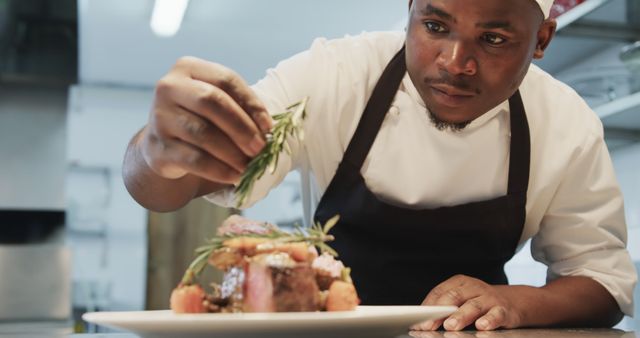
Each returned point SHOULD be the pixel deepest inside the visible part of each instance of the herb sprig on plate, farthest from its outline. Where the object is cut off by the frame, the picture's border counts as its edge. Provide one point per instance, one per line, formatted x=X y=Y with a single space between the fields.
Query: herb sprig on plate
x=317 y=235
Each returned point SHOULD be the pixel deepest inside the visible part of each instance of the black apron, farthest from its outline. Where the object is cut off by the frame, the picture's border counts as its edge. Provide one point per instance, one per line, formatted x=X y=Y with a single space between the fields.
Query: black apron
x=398 y=255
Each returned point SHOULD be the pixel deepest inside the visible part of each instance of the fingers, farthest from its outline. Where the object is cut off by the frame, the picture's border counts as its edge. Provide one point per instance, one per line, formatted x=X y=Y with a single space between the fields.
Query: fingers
x=202 y=134
x=497 y=317
x=454 y=291
x=232 y=84
x=478 y=303
x=172 y=158
x=217 y=107
x=467 y=314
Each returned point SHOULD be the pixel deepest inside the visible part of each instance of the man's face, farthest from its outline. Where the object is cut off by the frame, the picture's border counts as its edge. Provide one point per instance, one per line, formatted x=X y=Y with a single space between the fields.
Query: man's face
x=467 y=56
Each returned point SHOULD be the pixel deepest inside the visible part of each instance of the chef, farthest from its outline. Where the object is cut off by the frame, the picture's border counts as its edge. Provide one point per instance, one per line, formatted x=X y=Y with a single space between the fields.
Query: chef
x=443 y=149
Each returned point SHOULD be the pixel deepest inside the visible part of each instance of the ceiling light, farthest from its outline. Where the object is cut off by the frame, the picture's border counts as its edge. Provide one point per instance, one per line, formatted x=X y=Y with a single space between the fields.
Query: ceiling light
x=167 y=15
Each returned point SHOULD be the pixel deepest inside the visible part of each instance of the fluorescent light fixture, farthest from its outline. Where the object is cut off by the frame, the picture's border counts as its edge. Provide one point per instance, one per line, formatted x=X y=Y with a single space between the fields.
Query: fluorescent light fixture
x=167 y=16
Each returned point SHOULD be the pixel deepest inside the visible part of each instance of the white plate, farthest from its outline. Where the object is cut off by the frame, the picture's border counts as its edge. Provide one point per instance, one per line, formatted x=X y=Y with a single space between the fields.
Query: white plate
x=365 y=321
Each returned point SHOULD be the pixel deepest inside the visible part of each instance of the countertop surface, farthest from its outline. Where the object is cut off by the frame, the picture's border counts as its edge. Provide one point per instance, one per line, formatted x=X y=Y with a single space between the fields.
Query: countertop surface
x=528 y=333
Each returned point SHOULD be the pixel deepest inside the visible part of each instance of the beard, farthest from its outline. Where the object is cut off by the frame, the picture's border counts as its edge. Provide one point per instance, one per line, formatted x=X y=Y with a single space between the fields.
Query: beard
x=458 y=82
x=444 y=125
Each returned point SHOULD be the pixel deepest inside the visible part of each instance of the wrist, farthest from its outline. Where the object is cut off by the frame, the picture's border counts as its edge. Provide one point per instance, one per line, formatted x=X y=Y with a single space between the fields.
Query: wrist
x=530 y=305
x=147 y=187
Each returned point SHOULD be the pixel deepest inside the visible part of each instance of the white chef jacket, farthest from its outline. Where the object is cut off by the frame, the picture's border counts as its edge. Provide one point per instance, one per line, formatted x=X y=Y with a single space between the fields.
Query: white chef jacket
x=574 y=205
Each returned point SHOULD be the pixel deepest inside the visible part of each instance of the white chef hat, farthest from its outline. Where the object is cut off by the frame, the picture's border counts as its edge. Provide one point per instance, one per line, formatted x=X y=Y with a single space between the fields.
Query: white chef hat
x=545 y=6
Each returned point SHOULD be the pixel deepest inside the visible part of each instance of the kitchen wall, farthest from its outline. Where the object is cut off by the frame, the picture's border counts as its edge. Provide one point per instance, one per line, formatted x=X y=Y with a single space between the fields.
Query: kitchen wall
x=627 y=163
x=32 y=203
x=32 y=146
x=106 y=228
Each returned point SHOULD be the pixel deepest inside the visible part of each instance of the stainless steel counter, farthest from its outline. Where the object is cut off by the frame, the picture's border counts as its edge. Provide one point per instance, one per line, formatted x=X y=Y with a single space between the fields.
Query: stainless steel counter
x=532 y=333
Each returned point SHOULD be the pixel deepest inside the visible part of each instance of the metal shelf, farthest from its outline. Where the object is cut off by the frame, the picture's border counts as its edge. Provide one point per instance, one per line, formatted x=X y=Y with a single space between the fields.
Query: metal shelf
x=621 y=113
x=620 y=105
x=612 y=91
x=619 y=110
x=578 y=12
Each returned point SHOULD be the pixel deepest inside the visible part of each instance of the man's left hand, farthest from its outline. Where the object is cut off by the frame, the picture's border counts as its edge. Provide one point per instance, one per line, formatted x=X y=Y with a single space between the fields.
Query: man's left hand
x=487 y=306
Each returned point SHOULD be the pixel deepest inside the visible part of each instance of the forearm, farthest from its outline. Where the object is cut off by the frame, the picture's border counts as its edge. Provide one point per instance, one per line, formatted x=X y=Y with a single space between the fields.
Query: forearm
x=155 y=192
x=567 y=302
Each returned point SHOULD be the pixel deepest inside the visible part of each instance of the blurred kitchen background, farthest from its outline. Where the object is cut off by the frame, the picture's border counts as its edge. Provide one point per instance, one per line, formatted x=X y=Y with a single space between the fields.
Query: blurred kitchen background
x=76 y=82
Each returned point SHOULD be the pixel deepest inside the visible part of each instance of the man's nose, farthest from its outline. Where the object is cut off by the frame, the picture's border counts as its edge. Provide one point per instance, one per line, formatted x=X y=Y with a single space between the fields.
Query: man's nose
x=457 y=58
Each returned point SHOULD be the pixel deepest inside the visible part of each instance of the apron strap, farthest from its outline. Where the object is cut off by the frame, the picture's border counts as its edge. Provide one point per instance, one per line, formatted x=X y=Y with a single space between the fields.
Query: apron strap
x=376 y=110
x=519 y=155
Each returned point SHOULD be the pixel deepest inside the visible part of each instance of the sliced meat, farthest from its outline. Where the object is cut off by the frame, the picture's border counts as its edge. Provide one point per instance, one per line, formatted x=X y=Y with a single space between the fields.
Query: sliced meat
x=280 y=286
x=327 y=270
x=258 y=289
x=295 y=289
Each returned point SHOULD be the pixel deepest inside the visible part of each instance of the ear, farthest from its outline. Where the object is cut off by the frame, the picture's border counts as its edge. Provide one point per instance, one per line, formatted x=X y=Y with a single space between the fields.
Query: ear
x=410 y=3
x=545 y=34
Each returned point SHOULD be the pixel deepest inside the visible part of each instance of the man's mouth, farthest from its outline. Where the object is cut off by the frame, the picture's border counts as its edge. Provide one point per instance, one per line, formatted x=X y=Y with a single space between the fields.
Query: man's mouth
x=450 y=96
x=452 y=91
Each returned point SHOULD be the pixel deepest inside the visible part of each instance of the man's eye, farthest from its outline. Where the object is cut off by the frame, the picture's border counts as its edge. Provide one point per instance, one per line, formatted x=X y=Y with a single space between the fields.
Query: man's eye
x=435 y=27
x=493 y=39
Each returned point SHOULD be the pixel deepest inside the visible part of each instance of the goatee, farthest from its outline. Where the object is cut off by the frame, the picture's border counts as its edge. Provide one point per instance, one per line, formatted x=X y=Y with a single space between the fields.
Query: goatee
x=444 y=125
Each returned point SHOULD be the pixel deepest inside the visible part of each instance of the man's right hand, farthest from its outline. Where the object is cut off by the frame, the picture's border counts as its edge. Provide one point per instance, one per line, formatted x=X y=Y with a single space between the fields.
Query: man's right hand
x=205 y=121
x=205 y=126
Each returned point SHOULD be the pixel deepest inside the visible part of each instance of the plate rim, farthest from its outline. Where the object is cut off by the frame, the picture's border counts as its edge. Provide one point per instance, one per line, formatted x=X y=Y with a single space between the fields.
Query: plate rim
x=376 y=311
x=369 y=318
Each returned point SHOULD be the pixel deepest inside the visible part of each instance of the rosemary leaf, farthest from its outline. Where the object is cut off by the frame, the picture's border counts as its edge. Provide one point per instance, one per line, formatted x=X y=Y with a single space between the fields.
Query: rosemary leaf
x=196 y=267
x=288 y=123
x=325 y=248
x=330 y=223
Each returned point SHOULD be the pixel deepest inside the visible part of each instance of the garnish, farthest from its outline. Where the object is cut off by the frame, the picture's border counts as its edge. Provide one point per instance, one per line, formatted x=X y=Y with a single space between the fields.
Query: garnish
x=316 y=235
x=287 y=123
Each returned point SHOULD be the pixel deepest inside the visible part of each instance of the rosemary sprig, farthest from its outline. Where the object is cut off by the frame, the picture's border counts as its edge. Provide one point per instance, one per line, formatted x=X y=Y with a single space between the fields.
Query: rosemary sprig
x=287 y=123
x=317 y=235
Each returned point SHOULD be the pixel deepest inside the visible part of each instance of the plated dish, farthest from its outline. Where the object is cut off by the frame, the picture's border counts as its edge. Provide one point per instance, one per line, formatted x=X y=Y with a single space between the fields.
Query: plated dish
x=267 y=269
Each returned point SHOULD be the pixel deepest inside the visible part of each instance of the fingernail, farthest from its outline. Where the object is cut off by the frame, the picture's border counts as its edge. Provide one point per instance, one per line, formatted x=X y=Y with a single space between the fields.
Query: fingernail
x=256 y=144
x=482 y=323
x=451 y=324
